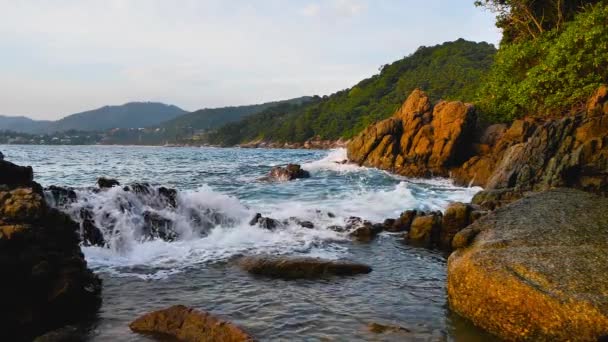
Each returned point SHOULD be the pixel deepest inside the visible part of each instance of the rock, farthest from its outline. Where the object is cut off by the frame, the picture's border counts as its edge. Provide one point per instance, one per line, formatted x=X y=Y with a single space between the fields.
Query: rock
x=105 y=183
x=61 y=196
x=418 y=140
x=535 y=269
x=290 y=172
x=457 y=216
x=366 y=231
x=1 y=156
x=46 y=282
x=493 y=199
x=378 y=328
x=303 y=224
x=264 y=222
x=158 y=227
x=300 y=267
x=190 y=325
x=425 y=230
x=532 y=154
x=90 y=234
x=404 y=221
x=15 y=175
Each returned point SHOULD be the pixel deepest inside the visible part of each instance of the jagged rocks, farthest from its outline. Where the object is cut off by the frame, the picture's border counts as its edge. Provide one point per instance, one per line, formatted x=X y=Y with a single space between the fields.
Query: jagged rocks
x=105 y=183
x=190 y=325
x=300 y=267
x=287 y=173
x=535 y=269
x=45 y=282
x=418 y=140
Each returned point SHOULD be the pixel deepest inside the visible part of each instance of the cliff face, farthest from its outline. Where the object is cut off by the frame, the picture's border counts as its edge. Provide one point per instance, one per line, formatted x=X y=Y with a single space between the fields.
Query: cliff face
x=532 y=154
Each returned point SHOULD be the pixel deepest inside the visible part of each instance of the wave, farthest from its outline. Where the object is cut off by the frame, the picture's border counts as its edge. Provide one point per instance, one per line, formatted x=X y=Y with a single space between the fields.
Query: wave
x=334 y=161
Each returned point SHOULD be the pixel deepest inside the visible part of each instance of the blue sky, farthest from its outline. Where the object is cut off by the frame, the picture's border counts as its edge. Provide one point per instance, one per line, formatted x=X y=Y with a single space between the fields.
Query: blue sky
x=64 y=56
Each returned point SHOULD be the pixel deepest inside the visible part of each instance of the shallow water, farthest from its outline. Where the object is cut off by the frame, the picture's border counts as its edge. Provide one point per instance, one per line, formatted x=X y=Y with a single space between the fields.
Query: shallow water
x=406 y=287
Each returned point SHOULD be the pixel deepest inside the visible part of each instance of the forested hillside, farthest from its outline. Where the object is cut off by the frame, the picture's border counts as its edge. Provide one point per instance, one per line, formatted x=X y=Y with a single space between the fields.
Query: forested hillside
x=212 y=118
x=451 y=70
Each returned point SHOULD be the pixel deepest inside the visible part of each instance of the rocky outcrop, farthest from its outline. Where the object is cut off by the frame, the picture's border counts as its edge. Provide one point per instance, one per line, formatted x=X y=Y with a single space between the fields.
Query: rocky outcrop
x=105 y=183
x=190 y=325
x=300 y=267
x=45 y=282
x=315 y=143
x=419 y=140
x=535 y=269
x=531 y=154
x=287 y=173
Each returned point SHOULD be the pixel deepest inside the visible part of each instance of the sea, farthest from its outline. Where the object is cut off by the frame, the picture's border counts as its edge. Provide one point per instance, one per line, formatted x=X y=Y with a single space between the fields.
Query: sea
x=219 y=191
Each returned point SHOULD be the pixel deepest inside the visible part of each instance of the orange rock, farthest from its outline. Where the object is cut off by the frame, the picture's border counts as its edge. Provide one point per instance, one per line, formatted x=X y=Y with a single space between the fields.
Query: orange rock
x=189 y=325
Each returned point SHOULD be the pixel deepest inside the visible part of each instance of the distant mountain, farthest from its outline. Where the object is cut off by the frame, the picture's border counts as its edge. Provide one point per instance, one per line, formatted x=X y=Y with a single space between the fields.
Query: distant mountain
x=129 y=115
x=212 y=118
x=22 y=124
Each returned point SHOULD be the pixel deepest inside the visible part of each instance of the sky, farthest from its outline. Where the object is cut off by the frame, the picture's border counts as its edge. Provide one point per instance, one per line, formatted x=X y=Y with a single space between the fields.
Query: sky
x=59 y=57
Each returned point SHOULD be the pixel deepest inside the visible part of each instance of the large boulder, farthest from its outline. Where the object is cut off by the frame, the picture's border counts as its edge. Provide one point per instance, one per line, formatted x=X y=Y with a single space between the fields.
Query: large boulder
x=418 y=140
x=189 y=325
x=45 y=282
x=300 y=267
x=535 y=269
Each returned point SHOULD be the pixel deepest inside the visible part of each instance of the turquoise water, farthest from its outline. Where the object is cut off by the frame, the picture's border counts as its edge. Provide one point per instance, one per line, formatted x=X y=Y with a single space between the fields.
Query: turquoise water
x=406 y=288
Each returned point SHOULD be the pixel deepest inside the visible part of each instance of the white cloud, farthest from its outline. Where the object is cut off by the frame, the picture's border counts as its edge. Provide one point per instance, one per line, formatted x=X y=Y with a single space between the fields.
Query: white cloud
x=349 y=7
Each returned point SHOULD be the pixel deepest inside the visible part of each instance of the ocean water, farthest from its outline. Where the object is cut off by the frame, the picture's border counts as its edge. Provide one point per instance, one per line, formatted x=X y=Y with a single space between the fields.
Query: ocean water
x=220 y=190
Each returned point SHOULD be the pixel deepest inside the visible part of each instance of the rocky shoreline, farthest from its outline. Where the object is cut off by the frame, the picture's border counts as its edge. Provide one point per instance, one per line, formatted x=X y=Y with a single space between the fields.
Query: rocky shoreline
x=529 y=265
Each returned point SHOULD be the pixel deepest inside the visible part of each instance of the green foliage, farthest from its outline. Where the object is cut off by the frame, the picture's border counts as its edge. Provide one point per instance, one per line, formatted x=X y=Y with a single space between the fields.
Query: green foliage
x=529 y=19
x=450 y=71
x=552 y=74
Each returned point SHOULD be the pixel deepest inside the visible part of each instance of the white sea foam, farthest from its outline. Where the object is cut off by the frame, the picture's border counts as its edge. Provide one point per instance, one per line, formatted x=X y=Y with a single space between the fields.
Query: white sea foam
x=213 y=226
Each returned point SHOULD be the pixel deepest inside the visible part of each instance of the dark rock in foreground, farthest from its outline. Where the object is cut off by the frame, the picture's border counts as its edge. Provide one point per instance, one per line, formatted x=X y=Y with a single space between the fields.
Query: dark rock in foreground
x=287 y=173
x=45 y=280
x=535 y=269
x=300 y=267
x=186 y=324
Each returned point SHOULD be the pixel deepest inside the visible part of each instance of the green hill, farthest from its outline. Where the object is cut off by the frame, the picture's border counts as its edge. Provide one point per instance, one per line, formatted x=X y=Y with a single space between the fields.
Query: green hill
x=212 y=118
x=452 y=70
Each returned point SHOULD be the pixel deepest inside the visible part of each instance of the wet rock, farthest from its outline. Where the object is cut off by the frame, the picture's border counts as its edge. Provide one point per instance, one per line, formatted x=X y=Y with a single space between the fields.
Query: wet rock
x=337 y=228
x=1 y=156
x=90 y=234
x=300 y=267
x=168 y=195
x=301 y=223
x=457 y=216
x=425 y=230
x=287 y=173
x=61 y=195
x=535 y=269
x=45 y=282
x=264 y=222
x=366 y=231
x=15 y=175
x=158 y=227
x=105 y=183
x=378 y=328
x=403 y=223
x=190 y=325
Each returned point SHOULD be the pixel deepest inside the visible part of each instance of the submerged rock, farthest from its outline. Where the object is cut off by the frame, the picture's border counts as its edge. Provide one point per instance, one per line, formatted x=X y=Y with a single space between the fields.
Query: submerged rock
x=105 y=183
x=45 y=283
x=287 y=173
x=378 y=328
x=190 y=325
x=300 y=267
x=535 y=269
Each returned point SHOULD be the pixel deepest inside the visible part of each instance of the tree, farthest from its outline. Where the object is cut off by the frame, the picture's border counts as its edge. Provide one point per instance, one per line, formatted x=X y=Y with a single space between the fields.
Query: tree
x=529 y=19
